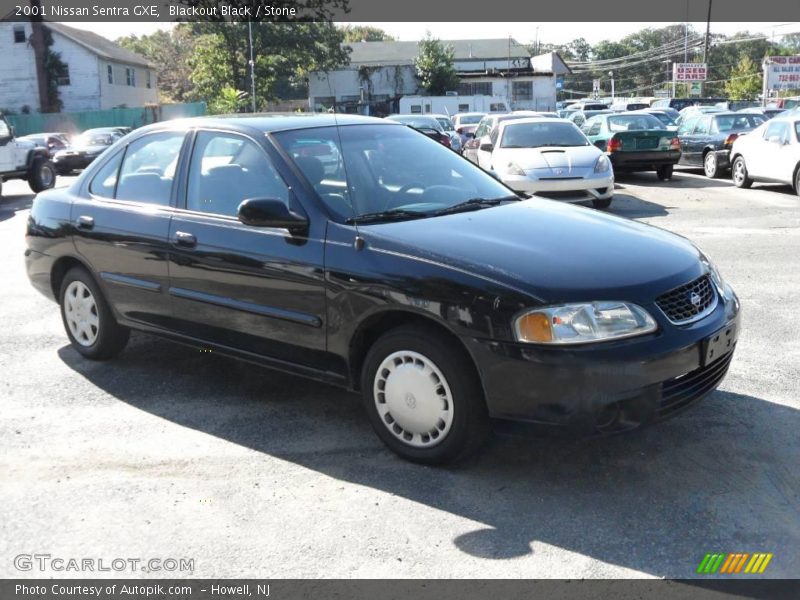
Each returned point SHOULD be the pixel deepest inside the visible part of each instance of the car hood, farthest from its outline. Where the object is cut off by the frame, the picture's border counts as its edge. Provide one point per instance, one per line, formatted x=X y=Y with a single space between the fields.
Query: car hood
x=549 y=158
x=549 y=250
x=85 y=149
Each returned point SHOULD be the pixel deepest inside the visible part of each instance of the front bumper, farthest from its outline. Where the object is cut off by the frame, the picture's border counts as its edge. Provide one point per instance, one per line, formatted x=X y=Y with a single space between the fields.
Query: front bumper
x=597 y=186
x=643 y=161
x=73 y=161
x=582 y=387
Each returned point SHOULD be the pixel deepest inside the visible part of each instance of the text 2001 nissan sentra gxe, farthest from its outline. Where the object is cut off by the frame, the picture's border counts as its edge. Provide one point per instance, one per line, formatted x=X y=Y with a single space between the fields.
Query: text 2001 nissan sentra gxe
x=363 y=253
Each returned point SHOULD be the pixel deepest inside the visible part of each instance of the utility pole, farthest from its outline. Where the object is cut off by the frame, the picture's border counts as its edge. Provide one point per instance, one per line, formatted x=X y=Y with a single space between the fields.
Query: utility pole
x=39 y=51
x=252 y=66
x=705 y=49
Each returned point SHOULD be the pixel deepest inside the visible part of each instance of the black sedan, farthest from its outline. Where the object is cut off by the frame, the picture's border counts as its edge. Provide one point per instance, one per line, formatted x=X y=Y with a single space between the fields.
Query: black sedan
x=84 y=149
x=397 y=268
x=706 y=139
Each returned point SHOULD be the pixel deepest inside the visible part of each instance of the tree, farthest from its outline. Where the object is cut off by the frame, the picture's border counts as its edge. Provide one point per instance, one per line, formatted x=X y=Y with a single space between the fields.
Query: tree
x=745 y=80
x=284 y=55
x=365 y=33
x=435 y=66
x=170 y=51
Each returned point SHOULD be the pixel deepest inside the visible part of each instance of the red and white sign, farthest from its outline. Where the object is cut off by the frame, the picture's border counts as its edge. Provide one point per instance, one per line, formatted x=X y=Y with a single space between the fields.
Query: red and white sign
x=689 y=71
x=783 y=72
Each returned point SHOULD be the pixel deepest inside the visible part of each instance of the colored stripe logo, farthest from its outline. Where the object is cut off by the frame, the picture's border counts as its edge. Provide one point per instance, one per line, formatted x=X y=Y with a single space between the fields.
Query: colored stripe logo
x=734 y=562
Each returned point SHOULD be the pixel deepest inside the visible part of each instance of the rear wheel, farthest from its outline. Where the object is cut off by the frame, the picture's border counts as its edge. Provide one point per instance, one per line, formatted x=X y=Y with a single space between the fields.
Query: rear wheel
x=711 y=164
x=42 y=175
x=739 y=173
x=601 y=203
x=423 y=396
x=90 y=325
x=664 y=172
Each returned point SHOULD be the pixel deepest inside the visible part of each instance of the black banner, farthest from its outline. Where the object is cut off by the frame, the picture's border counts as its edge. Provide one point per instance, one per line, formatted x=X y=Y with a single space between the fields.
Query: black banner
x=392 y=10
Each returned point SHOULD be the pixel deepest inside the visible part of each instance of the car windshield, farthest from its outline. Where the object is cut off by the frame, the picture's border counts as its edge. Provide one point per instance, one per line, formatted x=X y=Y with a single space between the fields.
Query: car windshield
x=664 y=118
x=633 y=123
x=93 y=139
x=446 y=124
x=538 y=135
x=738 y=122
x=469 y=119
x=418 y=122
x=382 y=172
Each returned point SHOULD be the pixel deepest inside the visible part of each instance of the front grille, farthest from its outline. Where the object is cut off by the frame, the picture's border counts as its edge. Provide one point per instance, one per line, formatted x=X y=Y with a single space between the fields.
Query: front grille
x=577 y=194
x=558 y=178
x=684 y=390
x=688 y=302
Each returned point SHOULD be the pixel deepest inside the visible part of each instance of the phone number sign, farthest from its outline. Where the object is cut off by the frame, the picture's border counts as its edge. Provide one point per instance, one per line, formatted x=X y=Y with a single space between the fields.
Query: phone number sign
x=783 y=72
x=689 y=71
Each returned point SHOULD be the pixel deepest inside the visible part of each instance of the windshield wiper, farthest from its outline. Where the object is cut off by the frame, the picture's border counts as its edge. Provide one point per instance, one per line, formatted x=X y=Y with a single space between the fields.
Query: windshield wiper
x=474 y=204
x=394 y=214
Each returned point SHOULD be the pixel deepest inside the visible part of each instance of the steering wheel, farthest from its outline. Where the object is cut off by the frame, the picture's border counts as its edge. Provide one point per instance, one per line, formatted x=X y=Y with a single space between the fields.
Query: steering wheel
x=411 y=186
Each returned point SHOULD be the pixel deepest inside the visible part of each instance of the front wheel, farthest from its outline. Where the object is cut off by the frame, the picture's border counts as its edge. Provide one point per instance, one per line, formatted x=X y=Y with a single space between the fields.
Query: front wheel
x=711 y=165
x=423 y=396
x=797 y=181
x=42 y=175
x=90 y=325
x=664 y=172
x=739 y=173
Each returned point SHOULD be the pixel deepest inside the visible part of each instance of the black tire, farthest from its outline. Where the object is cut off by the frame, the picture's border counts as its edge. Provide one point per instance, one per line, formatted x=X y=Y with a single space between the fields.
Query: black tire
x=601 y=203
x=711 y=165
x=469 y=422
x=797 y=180
x=664 y=172
x=739 y=173
x=111 y=337
x=42 y=175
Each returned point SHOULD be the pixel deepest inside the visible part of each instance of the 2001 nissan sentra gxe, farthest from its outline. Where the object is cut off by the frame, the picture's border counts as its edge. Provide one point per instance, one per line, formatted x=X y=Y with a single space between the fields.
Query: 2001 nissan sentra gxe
x=365 y=254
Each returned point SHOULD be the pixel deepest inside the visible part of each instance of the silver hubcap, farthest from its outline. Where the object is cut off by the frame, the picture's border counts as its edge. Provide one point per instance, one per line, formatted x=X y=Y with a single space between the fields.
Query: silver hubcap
x=47 y=176
x=710 y=163
x=413 y=399
x=80 y=311
x=738 y=171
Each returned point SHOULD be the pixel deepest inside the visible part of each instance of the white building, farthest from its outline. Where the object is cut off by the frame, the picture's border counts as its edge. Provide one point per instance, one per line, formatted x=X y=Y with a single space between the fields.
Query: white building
x=99 y=74
x=380 y=73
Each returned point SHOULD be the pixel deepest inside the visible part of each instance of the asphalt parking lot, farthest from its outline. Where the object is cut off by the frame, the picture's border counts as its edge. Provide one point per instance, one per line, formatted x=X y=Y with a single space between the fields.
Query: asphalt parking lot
x=170 y=452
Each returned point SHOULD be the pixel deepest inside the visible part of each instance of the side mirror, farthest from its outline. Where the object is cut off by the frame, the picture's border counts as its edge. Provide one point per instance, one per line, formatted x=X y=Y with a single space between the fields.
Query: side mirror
x=487 y=147
x=269 y=212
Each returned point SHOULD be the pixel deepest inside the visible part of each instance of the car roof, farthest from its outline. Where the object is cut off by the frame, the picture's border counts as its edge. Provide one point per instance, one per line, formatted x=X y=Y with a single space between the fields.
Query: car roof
x=268 y=122
x=524 y=120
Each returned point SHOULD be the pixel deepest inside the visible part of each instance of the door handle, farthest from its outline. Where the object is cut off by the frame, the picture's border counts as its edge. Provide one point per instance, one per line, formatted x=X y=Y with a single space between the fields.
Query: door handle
x=85 y=222
x=185 y=239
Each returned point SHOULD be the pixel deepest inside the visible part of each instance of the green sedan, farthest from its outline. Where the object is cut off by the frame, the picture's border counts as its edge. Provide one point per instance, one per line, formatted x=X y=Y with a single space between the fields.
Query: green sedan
x=635 y=141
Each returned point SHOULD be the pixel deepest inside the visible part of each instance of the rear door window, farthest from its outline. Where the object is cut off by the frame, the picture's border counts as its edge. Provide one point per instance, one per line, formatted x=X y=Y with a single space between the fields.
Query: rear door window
x=148 y=169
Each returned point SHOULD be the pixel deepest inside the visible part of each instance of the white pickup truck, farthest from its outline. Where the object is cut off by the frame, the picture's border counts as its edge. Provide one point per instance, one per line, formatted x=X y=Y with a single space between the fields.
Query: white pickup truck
x=23 y=160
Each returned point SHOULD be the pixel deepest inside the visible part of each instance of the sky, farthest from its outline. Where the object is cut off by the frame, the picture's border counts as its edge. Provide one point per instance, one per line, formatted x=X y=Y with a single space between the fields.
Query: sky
x=550 y=33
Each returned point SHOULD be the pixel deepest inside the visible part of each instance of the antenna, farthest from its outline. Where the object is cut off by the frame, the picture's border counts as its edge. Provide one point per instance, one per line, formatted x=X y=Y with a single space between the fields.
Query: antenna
x=358 y=242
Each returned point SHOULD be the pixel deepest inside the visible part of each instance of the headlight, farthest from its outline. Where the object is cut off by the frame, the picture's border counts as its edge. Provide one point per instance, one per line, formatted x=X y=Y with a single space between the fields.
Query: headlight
x=715 y=275
x=582 y=323
x=602 y=165
x=513 y=169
